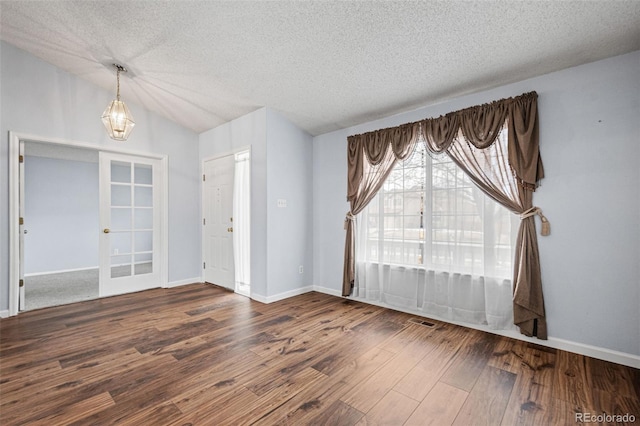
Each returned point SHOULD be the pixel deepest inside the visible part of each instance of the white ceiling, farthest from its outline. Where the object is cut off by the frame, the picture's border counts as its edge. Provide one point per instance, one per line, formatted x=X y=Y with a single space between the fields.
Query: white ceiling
x=324 y=65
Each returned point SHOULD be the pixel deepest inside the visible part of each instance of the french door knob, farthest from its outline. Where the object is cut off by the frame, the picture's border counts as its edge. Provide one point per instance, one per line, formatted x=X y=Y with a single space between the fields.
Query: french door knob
x=106 y=230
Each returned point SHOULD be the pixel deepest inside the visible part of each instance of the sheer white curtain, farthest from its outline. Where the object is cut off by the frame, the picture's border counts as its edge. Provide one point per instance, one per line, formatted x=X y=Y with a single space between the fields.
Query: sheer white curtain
x=432 y=242
x=242 y=223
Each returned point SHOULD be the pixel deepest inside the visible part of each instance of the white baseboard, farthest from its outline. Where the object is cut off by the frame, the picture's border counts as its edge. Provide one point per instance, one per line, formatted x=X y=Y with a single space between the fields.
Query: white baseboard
x=281 y=296
x=327 y=290
x=184 y=282
x=258 y=298
x=35 y=274
x=595 y=352
x=605 y=354
x=4 y=314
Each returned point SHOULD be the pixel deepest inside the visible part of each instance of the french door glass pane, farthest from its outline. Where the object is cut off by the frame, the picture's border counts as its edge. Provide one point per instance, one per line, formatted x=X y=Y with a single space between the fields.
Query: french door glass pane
x=120 y=266
x=120 y=219
x=120 y=172
x=143 y=174
x=120 y=195
x=143 y=241
x=120 y=243
x=143 y=219
x=143 y=196
x=143 y=263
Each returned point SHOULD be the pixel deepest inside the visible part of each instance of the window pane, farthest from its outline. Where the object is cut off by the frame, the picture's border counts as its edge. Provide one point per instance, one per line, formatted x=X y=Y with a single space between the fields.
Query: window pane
x=460 y=230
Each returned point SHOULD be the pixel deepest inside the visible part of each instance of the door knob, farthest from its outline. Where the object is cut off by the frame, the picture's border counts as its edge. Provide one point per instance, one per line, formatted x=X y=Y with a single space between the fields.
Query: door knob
x=106 y=230
x=230 y=229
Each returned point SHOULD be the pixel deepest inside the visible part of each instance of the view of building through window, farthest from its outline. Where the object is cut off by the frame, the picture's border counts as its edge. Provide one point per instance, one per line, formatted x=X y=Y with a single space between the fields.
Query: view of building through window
x=430 y=213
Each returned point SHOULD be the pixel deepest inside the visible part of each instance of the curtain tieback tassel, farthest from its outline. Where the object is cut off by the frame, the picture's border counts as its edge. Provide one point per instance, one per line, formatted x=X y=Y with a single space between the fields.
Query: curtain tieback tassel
x=546 y=227
x=349 y=217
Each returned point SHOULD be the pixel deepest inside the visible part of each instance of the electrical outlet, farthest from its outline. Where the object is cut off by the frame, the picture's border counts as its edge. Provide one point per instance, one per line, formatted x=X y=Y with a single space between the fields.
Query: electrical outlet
x=301 y=269
x=282 y=202
x=115 y=251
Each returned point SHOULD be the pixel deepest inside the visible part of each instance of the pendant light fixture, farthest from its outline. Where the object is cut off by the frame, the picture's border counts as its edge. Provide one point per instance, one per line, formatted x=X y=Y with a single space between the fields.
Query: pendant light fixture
x=117 y=118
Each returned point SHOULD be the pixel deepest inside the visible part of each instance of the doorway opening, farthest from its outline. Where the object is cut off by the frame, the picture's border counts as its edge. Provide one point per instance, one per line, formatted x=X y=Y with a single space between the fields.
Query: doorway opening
x=65 y=197
x=227 y=221
x=61 y=208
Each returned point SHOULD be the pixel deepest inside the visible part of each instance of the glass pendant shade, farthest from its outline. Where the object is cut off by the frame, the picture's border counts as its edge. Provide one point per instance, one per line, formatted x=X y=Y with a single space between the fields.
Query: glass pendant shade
x=117 y=118
x=118 y=121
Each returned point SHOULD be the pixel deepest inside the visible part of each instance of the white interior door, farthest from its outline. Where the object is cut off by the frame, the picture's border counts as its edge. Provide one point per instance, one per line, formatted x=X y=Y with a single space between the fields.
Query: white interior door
x=218 y=221
x=130 y=223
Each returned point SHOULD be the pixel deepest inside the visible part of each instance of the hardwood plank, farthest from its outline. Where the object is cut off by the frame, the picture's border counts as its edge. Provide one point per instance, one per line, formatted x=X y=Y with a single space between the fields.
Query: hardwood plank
x=570 y=382
x=393 y=409
x=337 y=413
x=471 y=360
x=155 y=415
x=310 y=402
x=610 y=378
x=422 y=378
x=74 y=412
x=272 y=400
x=532 y=399
x=367 y=394
x=440 y=406
x=210 y=409
x=508 y=355
x=488 y=399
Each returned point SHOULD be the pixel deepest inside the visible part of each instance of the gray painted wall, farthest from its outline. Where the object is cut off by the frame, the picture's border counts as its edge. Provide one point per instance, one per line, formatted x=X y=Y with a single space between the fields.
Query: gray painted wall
x=590 y=146
x=61 y=215
x=40 y=99
x=290 y=229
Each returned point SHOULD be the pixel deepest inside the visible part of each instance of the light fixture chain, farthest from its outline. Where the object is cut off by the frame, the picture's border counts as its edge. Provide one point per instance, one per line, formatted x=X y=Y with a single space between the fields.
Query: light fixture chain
x=118 y=84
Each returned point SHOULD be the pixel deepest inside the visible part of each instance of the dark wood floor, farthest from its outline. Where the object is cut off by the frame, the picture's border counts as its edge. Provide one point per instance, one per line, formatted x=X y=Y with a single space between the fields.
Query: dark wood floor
x=198 y=355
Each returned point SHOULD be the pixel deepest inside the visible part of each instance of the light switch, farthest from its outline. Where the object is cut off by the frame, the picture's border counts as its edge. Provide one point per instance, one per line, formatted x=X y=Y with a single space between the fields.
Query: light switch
x=282 y=202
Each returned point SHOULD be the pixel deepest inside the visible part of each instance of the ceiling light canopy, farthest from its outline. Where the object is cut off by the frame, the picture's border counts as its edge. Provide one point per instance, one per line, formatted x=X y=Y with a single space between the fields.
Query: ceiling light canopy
x=117 y=118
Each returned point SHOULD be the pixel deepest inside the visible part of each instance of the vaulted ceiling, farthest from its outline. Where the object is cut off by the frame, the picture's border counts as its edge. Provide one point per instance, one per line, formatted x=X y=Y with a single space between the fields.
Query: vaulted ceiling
x=323 y=64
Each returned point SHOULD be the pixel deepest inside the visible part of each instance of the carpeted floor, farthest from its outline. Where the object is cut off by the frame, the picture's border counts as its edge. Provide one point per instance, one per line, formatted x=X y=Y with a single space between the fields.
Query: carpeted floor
x=42 y=291
x=59 y=289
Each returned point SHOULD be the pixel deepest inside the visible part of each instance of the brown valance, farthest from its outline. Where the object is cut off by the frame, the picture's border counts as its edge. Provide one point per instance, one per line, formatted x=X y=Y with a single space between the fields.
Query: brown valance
x=509 y=178
x=480 y=126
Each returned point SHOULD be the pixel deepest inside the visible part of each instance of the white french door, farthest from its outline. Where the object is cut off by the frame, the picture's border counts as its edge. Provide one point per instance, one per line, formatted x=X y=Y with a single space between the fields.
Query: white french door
x=130 y=205
x=218 y=222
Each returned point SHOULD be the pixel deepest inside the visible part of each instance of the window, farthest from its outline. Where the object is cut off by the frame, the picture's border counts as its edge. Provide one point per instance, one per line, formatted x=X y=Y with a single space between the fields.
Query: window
x=429 y=214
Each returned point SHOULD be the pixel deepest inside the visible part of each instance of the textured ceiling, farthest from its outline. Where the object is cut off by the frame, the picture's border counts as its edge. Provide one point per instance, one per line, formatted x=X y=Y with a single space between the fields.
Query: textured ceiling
x=324 y=65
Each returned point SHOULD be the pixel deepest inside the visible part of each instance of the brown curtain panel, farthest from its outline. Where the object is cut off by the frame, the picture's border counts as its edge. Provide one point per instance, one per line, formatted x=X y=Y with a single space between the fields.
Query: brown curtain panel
x=506 y=169
x=371 y=158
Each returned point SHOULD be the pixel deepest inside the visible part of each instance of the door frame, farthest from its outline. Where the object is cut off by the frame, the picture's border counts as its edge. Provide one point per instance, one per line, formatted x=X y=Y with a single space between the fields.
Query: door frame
x=202 y=193
x=14 y=204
